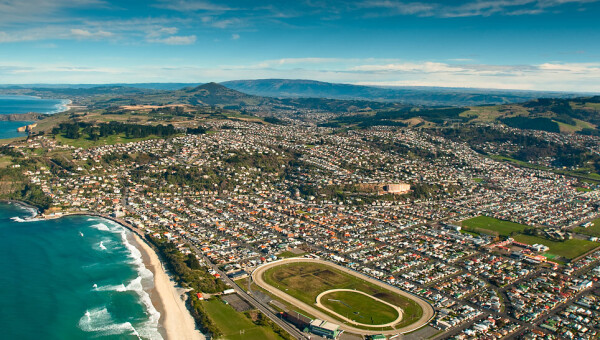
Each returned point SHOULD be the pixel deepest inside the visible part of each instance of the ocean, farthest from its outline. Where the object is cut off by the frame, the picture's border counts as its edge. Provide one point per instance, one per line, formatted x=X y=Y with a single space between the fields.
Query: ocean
x=77 y=277
x=25 y=104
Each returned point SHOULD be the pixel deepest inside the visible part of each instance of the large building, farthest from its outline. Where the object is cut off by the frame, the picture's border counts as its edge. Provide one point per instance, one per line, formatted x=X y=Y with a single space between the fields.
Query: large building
x=299 y=320
x=396 y=188
x=325 y=329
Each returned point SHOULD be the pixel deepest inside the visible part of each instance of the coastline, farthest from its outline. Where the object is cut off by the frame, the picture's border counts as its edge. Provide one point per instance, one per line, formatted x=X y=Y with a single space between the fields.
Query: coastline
x=175 y=319
x=175 y=322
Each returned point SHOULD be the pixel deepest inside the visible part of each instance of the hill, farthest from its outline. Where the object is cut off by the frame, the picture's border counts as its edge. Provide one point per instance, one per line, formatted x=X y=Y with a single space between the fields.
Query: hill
x=427 y=96
x=577 y=115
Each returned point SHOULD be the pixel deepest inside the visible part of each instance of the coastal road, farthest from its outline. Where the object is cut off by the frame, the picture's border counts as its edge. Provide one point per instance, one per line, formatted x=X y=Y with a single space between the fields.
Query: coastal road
x=295 y=333
x=428 y=311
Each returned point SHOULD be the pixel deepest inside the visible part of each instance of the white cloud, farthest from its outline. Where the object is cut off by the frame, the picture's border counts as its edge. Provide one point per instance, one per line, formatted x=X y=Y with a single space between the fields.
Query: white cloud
x=235 y=36
x=187 y=5
x=175 y=40
x=40 y=11
x=162 y=31
x=86 y=34
x=465 y=9
x=409 y=67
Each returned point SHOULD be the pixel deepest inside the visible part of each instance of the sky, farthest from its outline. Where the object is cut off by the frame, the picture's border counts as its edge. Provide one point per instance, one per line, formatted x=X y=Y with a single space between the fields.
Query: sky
x=507 y=44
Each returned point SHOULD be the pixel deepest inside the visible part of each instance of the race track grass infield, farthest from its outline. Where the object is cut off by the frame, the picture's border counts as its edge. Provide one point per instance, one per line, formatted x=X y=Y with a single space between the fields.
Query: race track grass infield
x=235 y=325
x=360 y=308
x=568 y=249
x=305 y=281
x=503 y=228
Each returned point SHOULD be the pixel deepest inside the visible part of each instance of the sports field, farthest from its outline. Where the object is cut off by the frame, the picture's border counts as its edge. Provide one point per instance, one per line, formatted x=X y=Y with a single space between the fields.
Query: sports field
x=493 y=225
x=359 y=307
x=235 y=325
x=306 y=280
x=568 y=249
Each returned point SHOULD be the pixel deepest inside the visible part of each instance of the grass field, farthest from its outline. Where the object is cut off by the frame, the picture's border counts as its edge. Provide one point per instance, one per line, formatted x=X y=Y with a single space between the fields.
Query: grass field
x=592 y=231
x=288 y=254
x=231 y=323
x=568 y=249
x=305 y=281
x=503 y=228
x=359 y=307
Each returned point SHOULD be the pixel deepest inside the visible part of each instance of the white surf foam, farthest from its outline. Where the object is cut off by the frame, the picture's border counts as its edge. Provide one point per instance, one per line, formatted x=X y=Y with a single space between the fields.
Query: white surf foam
x=144 y=280
x=100 y=321
x=101 y=227
x=31 y=210
x=102 y=246
x=27 y=219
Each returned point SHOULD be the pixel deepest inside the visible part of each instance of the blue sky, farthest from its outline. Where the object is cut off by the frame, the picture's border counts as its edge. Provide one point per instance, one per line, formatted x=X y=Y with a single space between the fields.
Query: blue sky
x=512 y=44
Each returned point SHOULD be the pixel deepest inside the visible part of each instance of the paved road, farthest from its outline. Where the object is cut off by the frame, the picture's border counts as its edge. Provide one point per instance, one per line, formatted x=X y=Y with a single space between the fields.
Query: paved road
x=428 y=311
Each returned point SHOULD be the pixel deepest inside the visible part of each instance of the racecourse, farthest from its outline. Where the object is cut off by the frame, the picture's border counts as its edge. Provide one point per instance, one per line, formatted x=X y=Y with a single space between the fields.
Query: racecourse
x=341 y=317
x=428 y=312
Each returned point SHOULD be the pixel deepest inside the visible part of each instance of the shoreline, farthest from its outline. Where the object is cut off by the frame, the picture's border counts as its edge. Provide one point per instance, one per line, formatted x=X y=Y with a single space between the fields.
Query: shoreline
x=176 y=321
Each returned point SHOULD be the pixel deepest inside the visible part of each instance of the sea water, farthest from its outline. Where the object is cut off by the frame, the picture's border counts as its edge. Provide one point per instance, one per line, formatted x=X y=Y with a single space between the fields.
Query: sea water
x=75 y=277
x=25 y=104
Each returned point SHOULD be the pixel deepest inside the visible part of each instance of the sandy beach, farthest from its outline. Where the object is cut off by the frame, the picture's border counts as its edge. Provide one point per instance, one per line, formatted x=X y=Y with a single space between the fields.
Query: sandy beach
x=176 y=320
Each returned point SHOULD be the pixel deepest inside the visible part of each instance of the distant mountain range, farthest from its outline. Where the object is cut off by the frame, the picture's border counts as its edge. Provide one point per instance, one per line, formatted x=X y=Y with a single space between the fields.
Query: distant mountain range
x=288 y=88
x=202 y=95
x=428 y=96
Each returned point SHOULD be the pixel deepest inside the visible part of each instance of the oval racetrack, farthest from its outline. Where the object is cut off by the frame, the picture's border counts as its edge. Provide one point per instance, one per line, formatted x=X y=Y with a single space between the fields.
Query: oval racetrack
x=428 y=312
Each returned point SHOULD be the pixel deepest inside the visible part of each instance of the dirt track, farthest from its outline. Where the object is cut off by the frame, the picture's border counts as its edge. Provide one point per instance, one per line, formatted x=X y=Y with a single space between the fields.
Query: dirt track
x=428 y=311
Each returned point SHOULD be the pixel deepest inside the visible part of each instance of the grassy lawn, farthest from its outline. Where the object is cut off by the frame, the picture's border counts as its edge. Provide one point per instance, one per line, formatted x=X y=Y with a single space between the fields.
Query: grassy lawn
x=305 y=281
x=288 y=254
x=5 y=161
x=568 y=249
x=231 y=323
x=359 y=308
x=504 y=228
x=592 y=231
x=581 y=189
x=243 y=283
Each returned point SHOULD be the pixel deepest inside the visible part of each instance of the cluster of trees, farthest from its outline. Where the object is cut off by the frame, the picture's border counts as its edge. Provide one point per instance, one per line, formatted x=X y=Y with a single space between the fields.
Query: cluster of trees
x=187 y=270
x=265 y=162
x=526 y=123
x=274 y=120
x=34 y=195
x=566 y=112
x=391 y=117
x=532 y=148
x=14 y=186
x=94 y=132
x=197 y=179
x=202 y=320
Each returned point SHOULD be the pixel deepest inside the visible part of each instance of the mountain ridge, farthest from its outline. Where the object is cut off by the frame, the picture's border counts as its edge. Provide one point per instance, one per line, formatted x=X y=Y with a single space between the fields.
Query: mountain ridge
x=427 y=96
